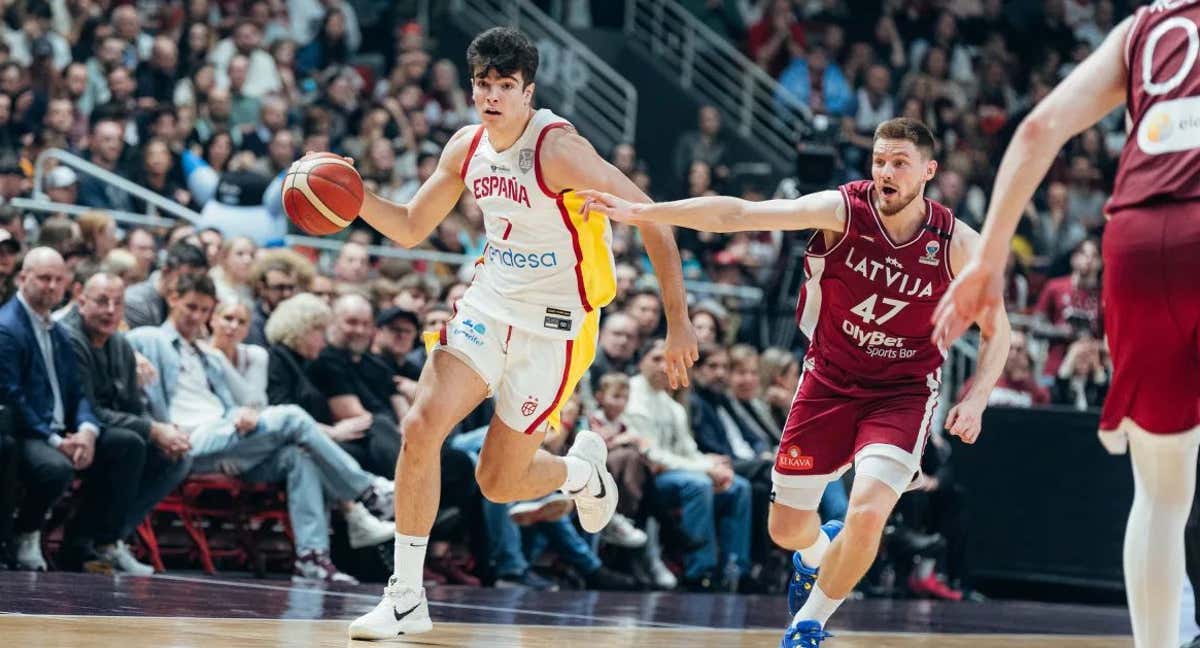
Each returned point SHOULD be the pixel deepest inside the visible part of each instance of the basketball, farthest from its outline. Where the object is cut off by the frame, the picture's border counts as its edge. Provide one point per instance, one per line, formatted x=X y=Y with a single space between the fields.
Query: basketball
x=322 y=193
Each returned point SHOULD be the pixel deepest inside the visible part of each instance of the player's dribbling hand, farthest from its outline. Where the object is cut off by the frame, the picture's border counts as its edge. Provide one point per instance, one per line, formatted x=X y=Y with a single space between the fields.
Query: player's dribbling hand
x=682 y=350
x=973 y=296
x=965 y=420
x=617 y=209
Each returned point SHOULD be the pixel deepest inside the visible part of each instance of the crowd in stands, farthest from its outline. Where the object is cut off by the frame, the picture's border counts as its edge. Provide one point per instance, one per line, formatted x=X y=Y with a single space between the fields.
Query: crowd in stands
x=136 y=357
x=971 y=70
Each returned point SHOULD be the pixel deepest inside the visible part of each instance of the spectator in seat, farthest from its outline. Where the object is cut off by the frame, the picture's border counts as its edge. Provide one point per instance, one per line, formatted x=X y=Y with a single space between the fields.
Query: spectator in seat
x=704 y=144
x=106 y=147
x=353 y=265
x=776 y=38
x=99 y=233
x=146 y=302
x=832 y=95
x=56 y=428
x=109 y=379
x=245 y=364
x=297 y=330
x=275 y=278
x=718 y=433
x=272 y=445
x=626 y=460
x=1082 y=379
x=395 y=339
x=141 y=244
x=1017 y=387
x=646 y=308
x=715 y=501
x=1070 y=306
x=749 y=410
x=779 y=374
x=358 y=385
x=231 y=274
x=619 y=339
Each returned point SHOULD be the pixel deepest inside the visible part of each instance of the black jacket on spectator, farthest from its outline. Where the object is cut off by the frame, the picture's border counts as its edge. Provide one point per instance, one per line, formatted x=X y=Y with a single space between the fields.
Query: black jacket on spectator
x=108 y=376
x=707 y=428
x=337 y=373
x=288 y=383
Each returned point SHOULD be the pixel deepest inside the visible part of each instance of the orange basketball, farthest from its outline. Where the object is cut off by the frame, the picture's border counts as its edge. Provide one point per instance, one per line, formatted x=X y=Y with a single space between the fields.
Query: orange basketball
x=322 y=193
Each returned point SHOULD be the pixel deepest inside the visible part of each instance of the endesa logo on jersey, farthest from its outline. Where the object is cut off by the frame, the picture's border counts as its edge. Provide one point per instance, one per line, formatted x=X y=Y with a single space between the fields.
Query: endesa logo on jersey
x=522 y=260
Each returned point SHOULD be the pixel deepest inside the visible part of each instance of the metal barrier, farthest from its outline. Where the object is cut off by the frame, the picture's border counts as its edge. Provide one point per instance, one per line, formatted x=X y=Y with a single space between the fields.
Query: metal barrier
x=585 y=89
x=87 y=168
x=708 y=64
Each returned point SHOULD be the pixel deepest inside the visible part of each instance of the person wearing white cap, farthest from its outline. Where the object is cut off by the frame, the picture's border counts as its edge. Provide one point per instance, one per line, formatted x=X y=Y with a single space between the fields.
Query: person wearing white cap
x=62 y=185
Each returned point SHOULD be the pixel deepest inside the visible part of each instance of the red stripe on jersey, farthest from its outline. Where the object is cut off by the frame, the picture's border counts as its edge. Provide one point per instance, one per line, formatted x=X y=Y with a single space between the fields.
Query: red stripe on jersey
x=470 y=153
x=562 y=386
x=537 y=157
x=566 y=217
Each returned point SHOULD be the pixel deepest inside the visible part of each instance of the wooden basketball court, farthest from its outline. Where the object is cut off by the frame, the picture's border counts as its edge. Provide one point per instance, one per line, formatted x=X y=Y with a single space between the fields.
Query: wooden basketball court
x=68 y=610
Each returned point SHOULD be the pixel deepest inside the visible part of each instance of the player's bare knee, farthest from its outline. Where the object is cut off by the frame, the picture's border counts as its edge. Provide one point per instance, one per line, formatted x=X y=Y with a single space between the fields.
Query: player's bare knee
x=866 y=518
x=792 y=528
x=495 y=483
x=422 y=431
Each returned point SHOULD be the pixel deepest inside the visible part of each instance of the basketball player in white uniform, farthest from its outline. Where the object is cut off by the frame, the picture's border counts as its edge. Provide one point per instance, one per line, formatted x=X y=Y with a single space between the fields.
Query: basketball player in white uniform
x=525 y=331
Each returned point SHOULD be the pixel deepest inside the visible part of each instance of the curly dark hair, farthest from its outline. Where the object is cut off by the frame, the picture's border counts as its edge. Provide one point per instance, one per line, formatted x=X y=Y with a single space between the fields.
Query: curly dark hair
x=505 y=50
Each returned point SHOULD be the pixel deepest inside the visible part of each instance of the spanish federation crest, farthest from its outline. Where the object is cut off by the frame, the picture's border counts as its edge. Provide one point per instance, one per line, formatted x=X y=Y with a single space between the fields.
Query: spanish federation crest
x=931 y=253
x=525 y=160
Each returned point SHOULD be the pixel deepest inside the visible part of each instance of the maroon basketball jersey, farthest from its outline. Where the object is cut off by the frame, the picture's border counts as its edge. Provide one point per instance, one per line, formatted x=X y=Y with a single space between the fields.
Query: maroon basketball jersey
x=867 y=302
x=1161 y=159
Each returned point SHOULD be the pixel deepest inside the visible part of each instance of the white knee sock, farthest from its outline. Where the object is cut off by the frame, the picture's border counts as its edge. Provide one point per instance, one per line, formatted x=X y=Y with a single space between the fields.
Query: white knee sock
x=1164 y=477
x=819 y=607
x=409 y=555
x=811 y=556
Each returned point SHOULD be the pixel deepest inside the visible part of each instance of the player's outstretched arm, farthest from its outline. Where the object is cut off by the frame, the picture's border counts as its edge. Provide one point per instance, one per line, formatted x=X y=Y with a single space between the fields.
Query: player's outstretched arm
x=411 y=223
x=965 y=419
x=570 y=161
x=824 y=210
x=1091 y=91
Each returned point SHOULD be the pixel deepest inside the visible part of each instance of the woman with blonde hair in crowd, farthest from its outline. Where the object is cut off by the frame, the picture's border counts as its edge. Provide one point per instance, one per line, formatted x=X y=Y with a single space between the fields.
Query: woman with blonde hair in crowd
x=247 y=363
x=99 y=232
x=232 y=273
x=296 y=330
x=779 y=372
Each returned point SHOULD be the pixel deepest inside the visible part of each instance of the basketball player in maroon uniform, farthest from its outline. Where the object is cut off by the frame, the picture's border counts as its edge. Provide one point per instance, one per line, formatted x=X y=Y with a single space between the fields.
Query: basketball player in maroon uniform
x=881 y=260
x=1151 y=294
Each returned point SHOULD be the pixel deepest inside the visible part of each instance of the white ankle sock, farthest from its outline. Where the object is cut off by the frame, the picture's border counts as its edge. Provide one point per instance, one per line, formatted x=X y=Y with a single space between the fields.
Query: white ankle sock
x=580 y=475
x=819 y=607
x=409 y=555
x=811 y=556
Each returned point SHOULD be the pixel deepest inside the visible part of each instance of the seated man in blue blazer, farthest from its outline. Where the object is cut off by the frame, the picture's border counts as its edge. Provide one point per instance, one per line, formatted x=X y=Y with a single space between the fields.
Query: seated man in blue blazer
x=57 y=432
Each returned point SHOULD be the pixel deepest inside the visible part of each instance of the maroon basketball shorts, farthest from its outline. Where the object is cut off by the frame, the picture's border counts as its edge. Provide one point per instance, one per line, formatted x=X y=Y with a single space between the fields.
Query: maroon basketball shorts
x=829 y=429
x=1152 y=319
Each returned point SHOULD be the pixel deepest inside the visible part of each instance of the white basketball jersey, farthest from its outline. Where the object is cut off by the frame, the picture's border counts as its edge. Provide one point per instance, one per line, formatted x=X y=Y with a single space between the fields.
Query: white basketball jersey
x=545 y=265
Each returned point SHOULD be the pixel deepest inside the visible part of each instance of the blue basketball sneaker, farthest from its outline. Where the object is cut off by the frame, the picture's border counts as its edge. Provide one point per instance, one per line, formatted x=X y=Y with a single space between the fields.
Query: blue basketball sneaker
x=805 y=578
x=804 y=634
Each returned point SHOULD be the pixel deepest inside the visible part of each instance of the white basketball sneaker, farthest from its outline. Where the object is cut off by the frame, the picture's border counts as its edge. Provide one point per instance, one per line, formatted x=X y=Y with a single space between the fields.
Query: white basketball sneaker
x=595 y=511
x=401 y=612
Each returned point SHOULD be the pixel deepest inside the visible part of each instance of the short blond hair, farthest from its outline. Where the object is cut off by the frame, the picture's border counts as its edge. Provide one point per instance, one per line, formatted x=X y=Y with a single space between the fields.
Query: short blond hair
x=295 y=316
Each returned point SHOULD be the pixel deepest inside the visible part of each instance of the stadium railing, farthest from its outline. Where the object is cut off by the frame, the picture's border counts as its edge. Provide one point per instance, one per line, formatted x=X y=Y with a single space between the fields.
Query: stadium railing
x=40 y=203
x=723 y=76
